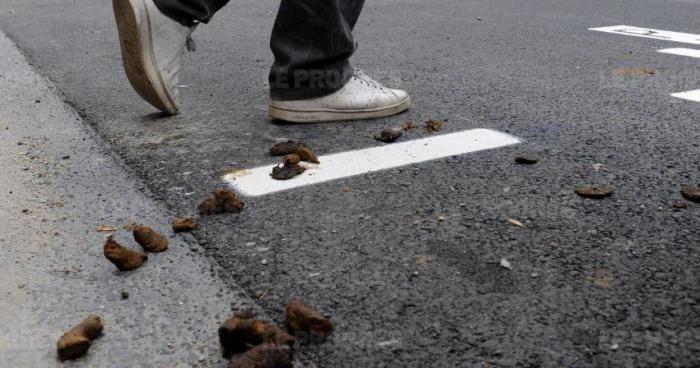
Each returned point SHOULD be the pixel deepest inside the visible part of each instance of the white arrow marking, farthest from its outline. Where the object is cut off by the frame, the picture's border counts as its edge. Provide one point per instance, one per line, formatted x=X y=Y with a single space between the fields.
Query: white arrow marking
x=681 y=51
x=257 y=181
x=690 y=95
x=657 y=34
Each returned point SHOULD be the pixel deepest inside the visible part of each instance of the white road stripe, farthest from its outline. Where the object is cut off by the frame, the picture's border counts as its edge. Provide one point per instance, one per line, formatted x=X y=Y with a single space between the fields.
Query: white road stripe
x=257 y=181
x=682 y=52
x=690 y=95
x=657 y=34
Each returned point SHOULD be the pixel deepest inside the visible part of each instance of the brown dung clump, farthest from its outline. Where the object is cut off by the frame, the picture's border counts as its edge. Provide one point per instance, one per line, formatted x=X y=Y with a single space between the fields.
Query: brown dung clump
x=433 y=125
x=601 y=278
x=242 y=330
x=595 y=191
x=679 y=205
x=183 y=224
x=691 y=193
x=291 y=159
x=526 y=158
x=635 y=71
x=289 y=169
x=125 y=259
x=389 y=135
x=285 y=148
x=299 y=317
x=299 y=148
x=221 y=201
x=150 y=240
x=265 y=356
x=76 y=342
x=306 y=154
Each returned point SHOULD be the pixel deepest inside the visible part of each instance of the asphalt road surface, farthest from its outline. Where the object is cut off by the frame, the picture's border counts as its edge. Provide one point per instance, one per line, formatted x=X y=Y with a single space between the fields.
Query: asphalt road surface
x=406 y=261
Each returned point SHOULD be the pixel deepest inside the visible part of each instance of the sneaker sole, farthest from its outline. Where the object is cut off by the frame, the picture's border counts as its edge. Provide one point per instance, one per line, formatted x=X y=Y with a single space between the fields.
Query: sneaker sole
x=137 y=54
x=326 y=115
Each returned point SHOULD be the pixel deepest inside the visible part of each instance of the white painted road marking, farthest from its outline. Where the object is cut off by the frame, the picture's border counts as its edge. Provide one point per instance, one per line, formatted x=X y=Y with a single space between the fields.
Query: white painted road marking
x=659 y=34
x=682 y=52
x=257 y=181
x=690 y=95
x=651 y=33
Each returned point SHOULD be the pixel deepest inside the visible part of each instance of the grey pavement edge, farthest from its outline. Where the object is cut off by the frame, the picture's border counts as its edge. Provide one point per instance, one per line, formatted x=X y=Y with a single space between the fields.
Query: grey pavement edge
x=58 y=184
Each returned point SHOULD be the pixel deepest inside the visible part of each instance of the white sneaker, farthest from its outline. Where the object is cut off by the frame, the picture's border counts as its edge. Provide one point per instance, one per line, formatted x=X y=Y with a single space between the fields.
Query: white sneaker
x=152 y=47
x=361 y=98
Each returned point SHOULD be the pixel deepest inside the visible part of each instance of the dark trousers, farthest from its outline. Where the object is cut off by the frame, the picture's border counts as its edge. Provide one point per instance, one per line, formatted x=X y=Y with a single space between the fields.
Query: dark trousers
x=311 y=40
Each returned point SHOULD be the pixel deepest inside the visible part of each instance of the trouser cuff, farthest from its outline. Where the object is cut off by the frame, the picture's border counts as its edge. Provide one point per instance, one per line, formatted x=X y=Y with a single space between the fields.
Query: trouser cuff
x=179 y=15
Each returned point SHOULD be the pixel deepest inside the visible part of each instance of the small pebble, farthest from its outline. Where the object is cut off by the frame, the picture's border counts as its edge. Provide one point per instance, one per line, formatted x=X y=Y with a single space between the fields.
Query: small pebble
x=506 y=264
x=125 y=294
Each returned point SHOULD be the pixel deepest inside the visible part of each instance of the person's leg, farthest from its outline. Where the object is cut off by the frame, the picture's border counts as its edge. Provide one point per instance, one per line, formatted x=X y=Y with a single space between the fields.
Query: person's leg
x=311 y=79
x=152 y=44
x=188 y=12
x=351 y=11
x=312 y=42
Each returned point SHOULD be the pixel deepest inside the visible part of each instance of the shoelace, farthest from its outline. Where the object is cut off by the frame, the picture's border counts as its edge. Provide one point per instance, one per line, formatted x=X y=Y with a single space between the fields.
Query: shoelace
x=363 y=78
x=190 y=44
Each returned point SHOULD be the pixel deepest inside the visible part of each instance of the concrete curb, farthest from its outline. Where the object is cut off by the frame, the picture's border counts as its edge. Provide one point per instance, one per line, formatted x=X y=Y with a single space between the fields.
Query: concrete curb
x=58 y=183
